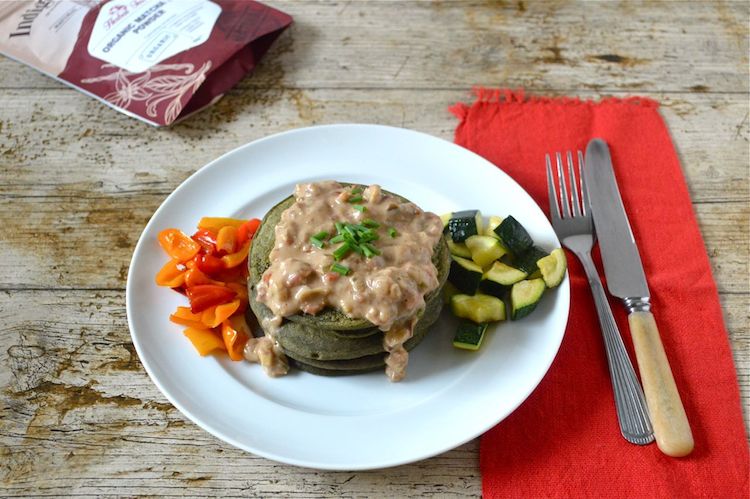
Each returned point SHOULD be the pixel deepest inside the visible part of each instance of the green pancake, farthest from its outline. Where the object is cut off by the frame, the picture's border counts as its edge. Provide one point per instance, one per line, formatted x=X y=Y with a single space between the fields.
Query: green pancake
x=331 y=343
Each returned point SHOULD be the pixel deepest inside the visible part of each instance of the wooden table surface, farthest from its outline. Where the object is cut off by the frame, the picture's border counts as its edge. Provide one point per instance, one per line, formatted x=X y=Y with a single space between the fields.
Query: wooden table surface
x=79 y=182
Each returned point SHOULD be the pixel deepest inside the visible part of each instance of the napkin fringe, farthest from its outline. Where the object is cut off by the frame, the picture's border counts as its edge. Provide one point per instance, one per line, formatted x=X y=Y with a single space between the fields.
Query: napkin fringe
x=518 y=96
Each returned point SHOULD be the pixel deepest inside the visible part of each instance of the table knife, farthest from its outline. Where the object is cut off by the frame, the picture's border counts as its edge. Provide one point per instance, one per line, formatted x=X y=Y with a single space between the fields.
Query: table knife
x=626 y=280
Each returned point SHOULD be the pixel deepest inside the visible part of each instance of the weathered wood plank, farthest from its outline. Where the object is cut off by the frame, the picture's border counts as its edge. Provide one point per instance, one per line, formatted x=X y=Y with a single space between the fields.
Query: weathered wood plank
x=80 y=416
x=75 y=198
x=551 y=45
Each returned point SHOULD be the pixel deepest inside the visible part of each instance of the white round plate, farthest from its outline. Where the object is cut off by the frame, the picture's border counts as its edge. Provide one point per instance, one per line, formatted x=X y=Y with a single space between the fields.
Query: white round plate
x=351 y=422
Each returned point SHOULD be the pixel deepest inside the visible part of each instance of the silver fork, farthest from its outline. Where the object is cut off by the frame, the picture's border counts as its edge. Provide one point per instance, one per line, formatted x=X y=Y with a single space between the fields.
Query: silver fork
x=575 y=229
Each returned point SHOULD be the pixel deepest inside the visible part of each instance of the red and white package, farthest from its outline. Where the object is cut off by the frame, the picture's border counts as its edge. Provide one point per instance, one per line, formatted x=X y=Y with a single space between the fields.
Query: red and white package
x=155 y=60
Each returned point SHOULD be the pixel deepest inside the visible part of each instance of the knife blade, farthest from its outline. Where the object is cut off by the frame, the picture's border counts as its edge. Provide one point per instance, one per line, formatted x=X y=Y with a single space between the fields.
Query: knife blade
x=626 y=280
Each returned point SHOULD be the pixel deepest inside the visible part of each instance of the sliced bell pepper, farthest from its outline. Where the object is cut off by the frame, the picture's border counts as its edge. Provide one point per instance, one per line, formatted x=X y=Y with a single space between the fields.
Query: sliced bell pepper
x=204 y=340
x=234 y=259
x=235 y=333
x=207 y=295
x=246 y=231
x=209 y=264
x=178 y=245
x=194 y=277
x=172 y=274
x=214 y=224
x=226 y=240
x=214 y=316
x=206 y=239
x=241 y=289
x=185 y=317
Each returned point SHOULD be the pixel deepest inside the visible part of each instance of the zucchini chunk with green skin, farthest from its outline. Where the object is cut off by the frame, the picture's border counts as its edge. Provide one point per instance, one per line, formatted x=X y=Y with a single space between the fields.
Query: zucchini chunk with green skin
x=445 y=217
x=498 y=280
x=513 y=235
x=464 y=224
x=484 y=249
x=526 y=261
x=465 y=274
x=492 y=224
x=449 y=290
x=524 y=297
x=553 y=267
x=458 y=249
x=478 y=308
x=469 y=336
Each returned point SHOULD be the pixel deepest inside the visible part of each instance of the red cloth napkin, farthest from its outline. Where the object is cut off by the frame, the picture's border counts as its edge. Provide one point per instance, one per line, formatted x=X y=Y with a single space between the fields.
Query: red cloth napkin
x=564 y=441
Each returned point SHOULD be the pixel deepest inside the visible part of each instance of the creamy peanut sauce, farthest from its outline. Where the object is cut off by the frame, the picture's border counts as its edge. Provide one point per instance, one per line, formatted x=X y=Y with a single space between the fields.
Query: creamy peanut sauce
x=387 y=290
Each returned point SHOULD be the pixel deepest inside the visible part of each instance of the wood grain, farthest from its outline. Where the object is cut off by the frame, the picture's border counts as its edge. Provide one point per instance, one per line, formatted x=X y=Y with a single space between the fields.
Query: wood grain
x=78 y=182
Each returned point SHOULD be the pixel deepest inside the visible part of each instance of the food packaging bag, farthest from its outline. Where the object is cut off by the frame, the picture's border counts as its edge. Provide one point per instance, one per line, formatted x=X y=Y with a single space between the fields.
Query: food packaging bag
x=155 y=60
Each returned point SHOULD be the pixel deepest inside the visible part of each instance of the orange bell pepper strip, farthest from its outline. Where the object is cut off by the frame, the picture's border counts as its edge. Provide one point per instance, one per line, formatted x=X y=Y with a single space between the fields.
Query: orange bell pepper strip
x=214 y=316
x=234 y=259
x=172 y=274
x=235 y=333
x=241 y=289
x=205 y=341
x=194 y=277
x=214 y=224
x=226 y=240
x=247 y=230
x=184 y=317
x=205 y=296
x=178 y=245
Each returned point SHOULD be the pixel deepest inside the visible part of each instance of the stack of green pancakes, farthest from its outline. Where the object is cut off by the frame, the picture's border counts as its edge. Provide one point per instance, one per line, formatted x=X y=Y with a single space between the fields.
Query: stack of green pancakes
x=331 y=343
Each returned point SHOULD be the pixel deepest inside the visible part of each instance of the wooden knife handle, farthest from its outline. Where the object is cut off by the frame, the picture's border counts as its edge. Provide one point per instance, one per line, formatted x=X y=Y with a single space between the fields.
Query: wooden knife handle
x=671 y=427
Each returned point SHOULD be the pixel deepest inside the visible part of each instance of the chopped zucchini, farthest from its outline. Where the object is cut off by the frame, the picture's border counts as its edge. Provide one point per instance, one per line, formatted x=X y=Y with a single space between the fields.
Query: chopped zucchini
x=459 y=249
x=478 y=308
x=498 y=280
x=526 y=261
x=513 y=235
x=445 y=217
x=449 y=290
x=524 y=297
x=492 y=223
x=553 y=267
x=464 y=224
x=469 y=336
x=465 y=274
x=484 y=249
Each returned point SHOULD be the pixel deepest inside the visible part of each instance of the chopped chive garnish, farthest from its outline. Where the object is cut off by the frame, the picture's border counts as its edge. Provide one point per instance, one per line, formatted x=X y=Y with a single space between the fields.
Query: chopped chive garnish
x=341 y=251
x=355 y=238
x=359 y=208
x=370 y=248
x=357 y=190
x=392 y=232
x=341 y=269
x=322 y=235
x=356 y=198
x=317 y=242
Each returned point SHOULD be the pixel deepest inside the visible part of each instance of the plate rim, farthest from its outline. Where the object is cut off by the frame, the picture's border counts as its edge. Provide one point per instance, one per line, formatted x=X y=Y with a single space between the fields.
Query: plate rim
x=384 y=462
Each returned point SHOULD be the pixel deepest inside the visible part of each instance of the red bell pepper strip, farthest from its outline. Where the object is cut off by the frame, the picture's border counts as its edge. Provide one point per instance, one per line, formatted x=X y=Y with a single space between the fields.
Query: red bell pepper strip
x=209 y=264
x=207 y=240
x=246 y=231
x=207 y=295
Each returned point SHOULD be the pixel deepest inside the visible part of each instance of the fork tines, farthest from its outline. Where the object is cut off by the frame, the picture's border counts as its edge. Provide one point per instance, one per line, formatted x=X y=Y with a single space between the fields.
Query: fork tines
x=578 y=208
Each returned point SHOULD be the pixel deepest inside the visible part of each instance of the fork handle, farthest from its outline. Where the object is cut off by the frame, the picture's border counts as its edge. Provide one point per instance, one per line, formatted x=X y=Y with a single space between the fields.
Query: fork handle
x=671 y=427
x=632 y=413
